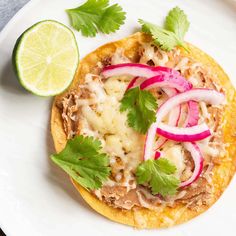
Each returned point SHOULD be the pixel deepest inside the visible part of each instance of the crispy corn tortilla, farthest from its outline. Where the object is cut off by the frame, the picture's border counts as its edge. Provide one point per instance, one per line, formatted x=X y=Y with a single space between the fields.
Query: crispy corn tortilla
x=165 y=216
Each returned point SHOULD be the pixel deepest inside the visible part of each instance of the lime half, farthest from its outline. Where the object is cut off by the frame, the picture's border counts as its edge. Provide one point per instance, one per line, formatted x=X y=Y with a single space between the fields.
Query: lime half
x=46 y=58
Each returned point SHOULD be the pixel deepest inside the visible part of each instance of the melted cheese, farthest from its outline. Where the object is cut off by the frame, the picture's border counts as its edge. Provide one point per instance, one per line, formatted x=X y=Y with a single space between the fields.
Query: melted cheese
x=115 y=88
x=206 y=149
x=114 y=146
x=119 y=57
x=175 y=155
x=106 y=122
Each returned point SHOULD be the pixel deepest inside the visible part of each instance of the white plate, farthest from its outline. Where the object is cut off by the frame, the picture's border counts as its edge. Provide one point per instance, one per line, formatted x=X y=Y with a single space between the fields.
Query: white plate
x=36 y=197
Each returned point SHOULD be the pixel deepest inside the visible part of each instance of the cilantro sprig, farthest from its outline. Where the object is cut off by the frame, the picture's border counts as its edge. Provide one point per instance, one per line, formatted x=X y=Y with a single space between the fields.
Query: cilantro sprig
x=176 y=26
x=97 y=15
x=141 y=106
x=177 y=22
x=83 y=161
x=158 y=174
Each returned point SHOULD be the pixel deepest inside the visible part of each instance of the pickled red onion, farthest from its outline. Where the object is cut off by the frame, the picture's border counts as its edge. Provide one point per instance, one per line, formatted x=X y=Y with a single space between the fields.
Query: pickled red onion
x=193 y=114
x=167 y=80
x=196 y=94
x=180 y=134
x=135 y=69
x=198 y=162
x=132 y=83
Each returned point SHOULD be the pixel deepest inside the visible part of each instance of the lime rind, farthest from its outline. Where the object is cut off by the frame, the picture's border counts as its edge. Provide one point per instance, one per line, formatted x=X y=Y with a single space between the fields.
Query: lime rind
x=20 y=46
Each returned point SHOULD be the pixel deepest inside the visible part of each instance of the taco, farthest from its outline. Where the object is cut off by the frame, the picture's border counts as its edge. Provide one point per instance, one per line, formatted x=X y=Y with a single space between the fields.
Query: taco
x=91 y=107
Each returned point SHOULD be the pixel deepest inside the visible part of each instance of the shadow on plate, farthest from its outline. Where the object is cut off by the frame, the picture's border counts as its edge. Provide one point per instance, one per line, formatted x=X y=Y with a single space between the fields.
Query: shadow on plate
x=9 y=81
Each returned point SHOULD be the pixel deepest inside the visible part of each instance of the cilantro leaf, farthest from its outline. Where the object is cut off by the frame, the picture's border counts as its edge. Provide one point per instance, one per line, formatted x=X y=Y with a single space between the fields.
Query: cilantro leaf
x=141 y=106
x=111 y=19
x=177 y=22
x=87 y=16
x=176 y=25
x=159 y=175
x=96 y=15
x=167 y=40
x=83 y=161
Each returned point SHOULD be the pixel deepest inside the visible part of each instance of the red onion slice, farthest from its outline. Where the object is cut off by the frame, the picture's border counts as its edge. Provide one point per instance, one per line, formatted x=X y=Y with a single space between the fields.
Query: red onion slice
x=179 y=134
x=136 y=81
x=157 y=155
x=132 y=83
x=173 y=117
x=198 y=163
x=193 y=114
x=198 y=94
x=170 y=91
x=150 y=142
x=173 y=121
x=176 y=112
x=191 y=120
x=160 y=142
x=167 y=80
x=135 y=69
x=151 y=134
